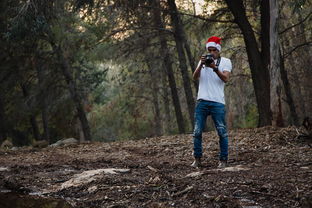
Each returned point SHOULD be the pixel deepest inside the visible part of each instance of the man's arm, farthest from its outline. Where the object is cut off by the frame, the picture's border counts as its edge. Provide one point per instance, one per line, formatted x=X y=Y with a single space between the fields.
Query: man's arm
x=196 y=73
x=224 y=76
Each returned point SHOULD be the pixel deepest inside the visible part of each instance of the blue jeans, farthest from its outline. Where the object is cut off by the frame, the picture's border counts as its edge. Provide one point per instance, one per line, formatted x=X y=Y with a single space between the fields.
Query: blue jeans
x=217 y=111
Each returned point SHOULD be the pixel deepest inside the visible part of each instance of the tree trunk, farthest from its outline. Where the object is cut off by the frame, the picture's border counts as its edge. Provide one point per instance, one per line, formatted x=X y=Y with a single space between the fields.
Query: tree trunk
x=265 y=53
x=180 y=40
x=275 y=75
x=305 y=64
x=167 y=128
x=43 y=100
x=289 y=97
x=3 y=128
x=154 y=87
x=74 y=92
x=168 y=66
x=186 y=44
x=45 y=121
x=79 y=129
x=32 y=117
x=259 y=73
x=191 y=61
x=265 y=32
x=290 y=77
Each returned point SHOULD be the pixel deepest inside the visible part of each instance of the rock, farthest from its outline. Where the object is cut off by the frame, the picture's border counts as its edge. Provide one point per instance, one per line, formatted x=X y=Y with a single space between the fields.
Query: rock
x=4 y=169
x=234 y=168
x=65 y=141
x=41 y=144
x=6 y=144
x=15 y=148
x=56 y=144
x=89 y=176
x=194 y=174
x=69 y=141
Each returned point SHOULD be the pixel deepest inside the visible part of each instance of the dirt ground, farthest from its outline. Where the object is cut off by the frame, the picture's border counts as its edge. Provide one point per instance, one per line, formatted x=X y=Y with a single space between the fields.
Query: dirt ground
x=268 y=167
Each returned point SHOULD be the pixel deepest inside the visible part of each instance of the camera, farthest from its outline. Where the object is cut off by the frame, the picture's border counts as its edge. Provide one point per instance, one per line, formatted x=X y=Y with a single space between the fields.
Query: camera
x=208 y=59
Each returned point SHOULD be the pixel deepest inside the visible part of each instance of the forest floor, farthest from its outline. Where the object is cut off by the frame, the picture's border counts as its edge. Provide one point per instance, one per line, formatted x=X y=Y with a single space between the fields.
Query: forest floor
x=268 y=167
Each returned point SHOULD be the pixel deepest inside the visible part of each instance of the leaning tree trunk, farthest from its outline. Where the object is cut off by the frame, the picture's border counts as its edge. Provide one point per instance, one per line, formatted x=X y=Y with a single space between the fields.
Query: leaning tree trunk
x=259 y=73
x=172 y=84
x=191 y=60
x=168 y=66
x=74 y=92
x=185 y=41
x=275 y=75
x=179 y=40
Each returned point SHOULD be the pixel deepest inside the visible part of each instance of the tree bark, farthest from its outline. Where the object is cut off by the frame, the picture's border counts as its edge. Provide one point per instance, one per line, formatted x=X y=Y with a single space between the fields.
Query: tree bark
x=259 y=73
x=275 y=75
x=168 y=66
x=180 y=40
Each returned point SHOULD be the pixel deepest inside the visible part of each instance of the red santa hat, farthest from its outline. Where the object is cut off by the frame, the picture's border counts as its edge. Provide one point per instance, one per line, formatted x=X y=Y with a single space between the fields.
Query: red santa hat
x=214 y=42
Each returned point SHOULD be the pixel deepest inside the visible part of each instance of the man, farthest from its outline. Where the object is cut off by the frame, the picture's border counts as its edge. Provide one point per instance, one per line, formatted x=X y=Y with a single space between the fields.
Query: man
x=210 y=99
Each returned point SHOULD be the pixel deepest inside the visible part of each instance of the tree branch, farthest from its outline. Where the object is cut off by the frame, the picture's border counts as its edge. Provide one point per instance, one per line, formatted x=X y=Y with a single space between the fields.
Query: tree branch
x=207 y=19
x=192 y=15
x=292 y=26
x=285 y=55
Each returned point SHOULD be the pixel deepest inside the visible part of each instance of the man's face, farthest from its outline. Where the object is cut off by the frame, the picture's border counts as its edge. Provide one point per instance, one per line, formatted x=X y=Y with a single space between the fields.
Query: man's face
x=213 y=51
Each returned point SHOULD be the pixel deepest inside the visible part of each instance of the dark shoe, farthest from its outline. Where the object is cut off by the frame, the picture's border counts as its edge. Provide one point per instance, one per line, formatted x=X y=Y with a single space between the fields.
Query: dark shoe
x=196 y=163
x=222 y=164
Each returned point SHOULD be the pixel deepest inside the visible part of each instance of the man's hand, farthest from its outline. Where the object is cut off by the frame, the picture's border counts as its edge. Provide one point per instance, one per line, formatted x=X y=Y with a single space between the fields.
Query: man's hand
x=196 y=73
x=213 y=65
x=202 y=59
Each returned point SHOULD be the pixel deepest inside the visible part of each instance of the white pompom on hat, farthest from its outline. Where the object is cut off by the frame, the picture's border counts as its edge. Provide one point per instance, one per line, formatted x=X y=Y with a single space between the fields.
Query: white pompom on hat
x=214 y=42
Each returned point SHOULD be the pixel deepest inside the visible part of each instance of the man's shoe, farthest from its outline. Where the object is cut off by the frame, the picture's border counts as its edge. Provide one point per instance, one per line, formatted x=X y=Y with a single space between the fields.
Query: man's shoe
x=222 y=164
x=196 y=163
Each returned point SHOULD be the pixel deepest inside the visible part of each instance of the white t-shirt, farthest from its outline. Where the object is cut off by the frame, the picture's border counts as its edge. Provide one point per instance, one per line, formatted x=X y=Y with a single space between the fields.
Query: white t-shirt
x=211 y=87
